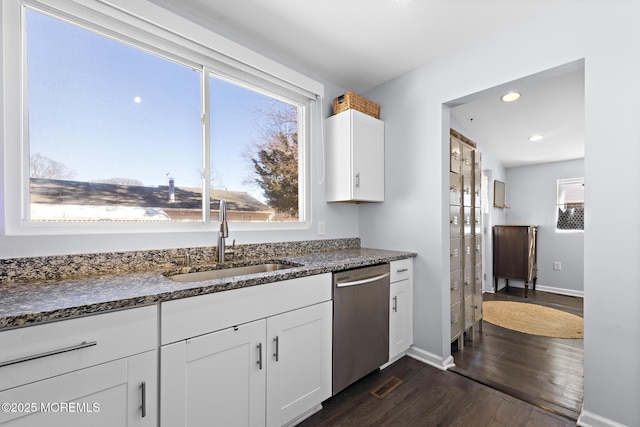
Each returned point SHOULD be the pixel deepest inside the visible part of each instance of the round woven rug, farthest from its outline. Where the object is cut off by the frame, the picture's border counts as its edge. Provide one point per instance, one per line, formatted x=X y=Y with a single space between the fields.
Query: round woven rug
x=533 y=319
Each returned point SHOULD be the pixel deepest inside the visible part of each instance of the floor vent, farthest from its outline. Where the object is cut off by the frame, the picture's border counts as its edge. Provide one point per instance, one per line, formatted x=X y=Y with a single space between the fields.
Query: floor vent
x=386 y=387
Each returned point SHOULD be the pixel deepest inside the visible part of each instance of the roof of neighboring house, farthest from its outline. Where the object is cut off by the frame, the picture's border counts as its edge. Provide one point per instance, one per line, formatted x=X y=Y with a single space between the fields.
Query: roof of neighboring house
x=56 y=191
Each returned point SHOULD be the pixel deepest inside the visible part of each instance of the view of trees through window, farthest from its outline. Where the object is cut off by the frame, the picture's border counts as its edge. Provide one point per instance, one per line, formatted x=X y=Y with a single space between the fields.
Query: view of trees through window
x=115 y=134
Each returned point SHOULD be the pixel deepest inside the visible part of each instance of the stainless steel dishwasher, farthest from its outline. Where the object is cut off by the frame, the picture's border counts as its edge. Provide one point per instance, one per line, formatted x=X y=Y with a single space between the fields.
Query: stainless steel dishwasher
x=360 y=323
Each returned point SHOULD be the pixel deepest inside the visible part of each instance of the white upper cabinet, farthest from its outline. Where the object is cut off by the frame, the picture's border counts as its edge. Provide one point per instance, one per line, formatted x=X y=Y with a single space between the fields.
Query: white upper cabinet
x=355 y=158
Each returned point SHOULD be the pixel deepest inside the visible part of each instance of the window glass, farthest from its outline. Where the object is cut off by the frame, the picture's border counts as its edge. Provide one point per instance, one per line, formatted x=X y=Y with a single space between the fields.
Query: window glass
x=254 y=153
x=115 y=134
x=114 y=131
x=570 y=206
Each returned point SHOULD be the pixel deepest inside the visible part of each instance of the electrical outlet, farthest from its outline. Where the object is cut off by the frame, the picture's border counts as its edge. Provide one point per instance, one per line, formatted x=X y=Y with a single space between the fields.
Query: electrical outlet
x=321 y=229
x=557 y=265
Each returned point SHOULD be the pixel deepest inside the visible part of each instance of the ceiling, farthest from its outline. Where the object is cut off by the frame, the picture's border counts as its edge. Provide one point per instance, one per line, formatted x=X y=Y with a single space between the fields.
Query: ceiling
x=551 y=104
x=360 y=44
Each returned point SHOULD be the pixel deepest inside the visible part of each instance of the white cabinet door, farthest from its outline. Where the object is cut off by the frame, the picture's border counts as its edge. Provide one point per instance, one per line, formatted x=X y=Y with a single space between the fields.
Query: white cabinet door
x=400 y=308
x=215 y=379
x=368 y=157
x=299 y=368
x=400 y=318
x=355 y=158
x=116 y=393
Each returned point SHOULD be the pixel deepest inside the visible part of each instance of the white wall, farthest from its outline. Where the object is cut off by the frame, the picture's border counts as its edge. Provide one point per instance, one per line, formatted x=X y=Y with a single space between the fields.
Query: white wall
x=531 y=194
x=605 y=35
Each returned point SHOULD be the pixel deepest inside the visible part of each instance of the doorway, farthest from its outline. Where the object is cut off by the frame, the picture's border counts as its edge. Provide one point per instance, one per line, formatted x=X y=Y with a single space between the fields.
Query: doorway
x=479 y=117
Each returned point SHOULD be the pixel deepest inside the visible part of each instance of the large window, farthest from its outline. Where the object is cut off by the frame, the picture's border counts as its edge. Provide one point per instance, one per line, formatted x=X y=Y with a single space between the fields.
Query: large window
x=570 y=205
x=121 y=132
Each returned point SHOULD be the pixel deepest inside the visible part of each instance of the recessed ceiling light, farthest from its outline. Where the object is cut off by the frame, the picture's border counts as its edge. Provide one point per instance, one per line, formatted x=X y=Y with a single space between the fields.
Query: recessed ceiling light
x=535 y=138
x=511 y=96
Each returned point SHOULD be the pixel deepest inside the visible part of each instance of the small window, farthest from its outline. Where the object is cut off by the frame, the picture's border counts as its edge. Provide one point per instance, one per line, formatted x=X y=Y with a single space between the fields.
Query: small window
x=570 y=204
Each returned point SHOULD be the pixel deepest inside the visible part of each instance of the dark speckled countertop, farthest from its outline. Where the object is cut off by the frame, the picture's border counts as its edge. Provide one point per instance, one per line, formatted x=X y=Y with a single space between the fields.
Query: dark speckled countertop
x=24 y=304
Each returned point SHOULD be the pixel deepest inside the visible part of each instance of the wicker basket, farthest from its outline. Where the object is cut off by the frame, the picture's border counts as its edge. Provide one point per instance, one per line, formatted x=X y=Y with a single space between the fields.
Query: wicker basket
x=357 y=102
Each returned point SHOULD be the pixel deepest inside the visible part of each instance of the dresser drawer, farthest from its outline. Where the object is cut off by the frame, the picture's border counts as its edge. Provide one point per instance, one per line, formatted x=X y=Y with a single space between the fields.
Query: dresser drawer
x=36 y=352
x=401 y=270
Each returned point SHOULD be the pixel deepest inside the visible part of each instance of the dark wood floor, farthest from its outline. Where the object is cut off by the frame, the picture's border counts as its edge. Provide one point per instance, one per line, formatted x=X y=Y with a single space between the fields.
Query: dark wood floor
x=544 y=371
x=430 y=397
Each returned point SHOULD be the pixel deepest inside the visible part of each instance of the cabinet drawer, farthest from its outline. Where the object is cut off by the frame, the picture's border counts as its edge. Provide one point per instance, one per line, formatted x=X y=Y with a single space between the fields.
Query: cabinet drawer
x=455 y=189
x=477 y=165
x=455 y=254
x=477 y=307
x=477 y=193
x=477 y=249
x=477 y=221
x=478 y=278
x=467 y=214
x=467 y=280
x=401 y=270
x=467 y=161
x=456 y=286
x=469 y=310
x=456 y=319
x=467 y=251
x=455 y=221
x=467 y=191
x=190 y=317
x=455 y=154
x=36 y=352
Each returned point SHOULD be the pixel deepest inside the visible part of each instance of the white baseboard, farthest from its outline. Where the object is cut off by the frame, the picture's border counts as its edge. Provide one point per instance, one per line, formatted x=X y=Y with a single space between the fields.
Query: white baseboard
x=561 y=291
x=550 y=289
x=430 y=358
x=589 y=419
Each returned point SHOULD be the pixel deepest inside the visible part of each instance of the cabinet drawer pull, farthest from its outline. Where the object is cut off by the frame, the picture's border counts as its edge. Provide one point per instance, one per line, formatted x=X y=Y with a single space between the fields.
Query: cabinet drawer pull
x=80 y=346
x=402 y=270
x=259 y=362
x=143 y=392
x=277 y=350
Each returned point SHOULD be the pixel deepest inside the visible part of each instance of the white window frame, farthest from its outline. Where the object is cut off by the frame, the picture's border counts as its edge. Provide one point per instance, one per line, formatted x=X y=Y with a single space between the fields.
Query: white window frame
x=150 y=27
x=559 y=185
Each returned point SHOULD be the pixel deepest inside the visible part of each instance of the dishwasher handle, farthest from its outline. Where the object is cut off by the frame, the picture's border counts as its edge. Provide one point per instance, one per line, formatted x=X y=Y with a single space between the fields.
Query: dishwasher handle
x=363 y=281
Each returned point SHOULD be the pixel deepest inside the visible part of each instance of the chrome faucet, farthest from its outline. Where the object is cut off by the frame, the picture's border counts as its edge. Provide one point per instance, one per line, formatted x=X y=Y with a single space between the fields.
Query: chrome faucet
x=224 y=230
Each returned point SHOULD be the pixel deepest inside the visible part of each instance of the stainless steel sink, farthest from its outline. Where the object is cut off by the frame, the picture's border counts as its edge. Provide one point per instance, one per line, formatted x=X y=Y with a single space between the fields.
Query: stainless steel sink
x=201 y=276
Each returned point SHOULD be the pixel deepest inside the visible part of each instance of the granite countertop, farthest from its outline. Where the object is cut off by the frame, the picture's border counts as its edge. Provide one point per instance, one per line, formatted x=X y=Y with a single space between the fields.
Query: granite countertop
x=45 y=301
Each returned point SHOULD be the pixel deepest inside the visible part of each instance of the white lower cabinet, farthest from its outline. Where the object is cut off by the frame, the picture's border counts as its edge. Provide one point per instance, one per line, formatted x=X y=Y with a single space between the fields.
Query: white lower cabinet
x=215 y=379
x=400 y=308
x=271 y=371
x=48 y=382
x=299 y=359
x=106 y=395
x=278 y=368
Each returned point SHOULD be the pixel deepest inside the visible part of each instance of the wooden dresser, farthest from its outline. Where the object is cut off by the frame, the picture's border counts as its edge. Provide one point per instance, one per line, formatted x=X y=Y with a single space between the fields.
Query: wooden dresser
x=514 y=254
